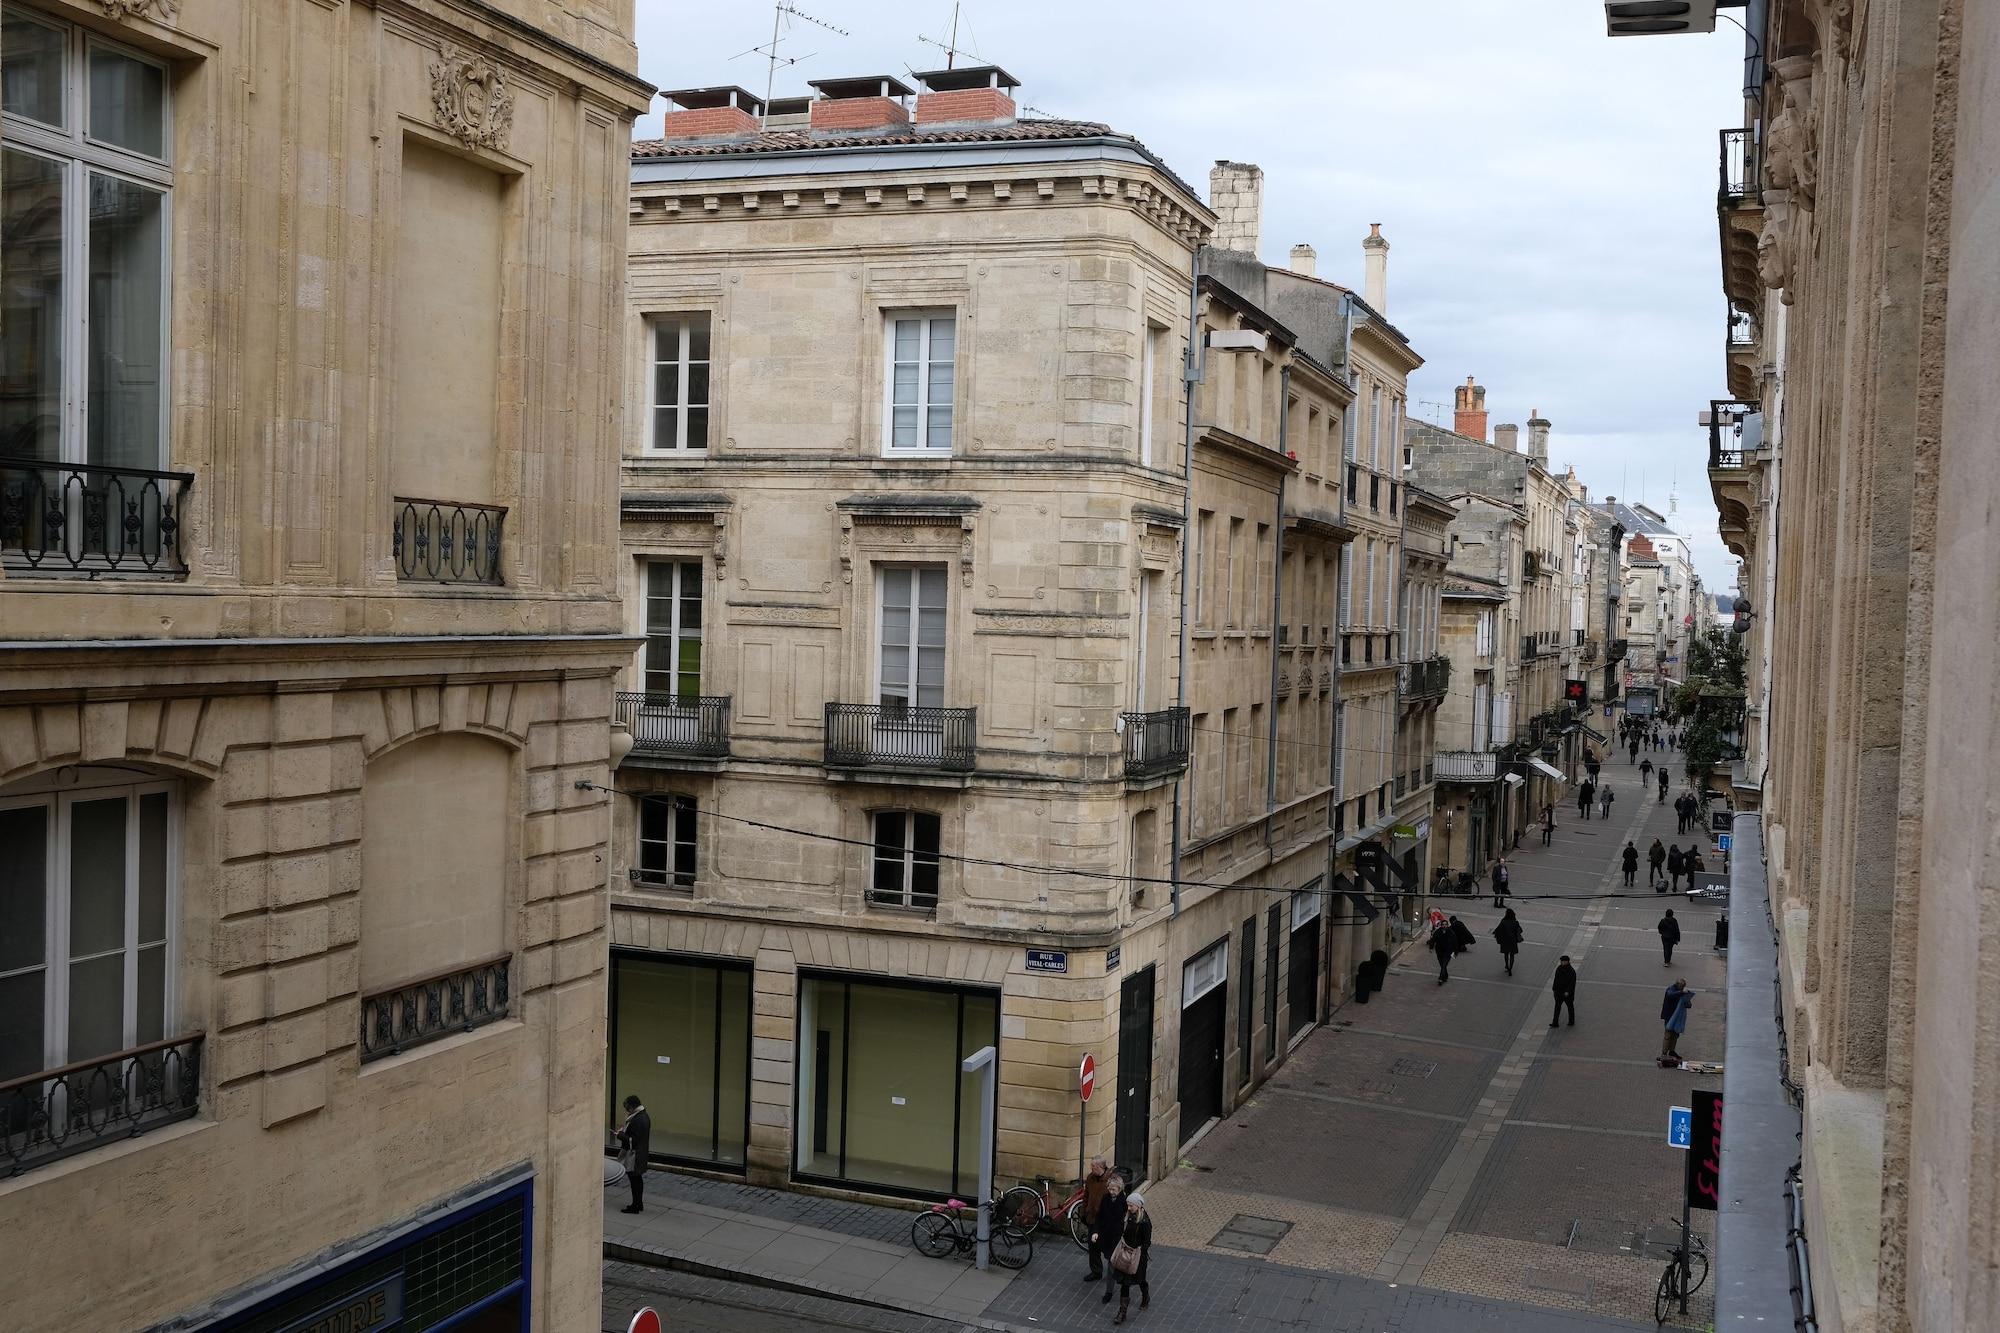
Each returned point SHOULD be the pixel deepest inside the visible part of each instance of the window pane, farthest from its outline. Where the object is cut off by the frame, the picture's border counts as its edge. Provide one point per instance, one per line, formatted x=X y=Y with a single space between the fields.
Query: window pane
x=152 y=998
x=31 y=304
x=901 y=1078
x=905 y=432
x=689 y=577
x=666 y=391
x=943 y=329
x=906 y=383
x=152 y=868
x=941 y=382
x=684 y=839
x=980 y=1027
x=31 y=69
x=96 y=877
x=732 y=1103
x=21 y=1017
x=697 y=428
x=939 y=435
x=697 y=337
x=666 y=340
x=909 y=337
x=697 y=393
x=24 y=889
x=96 y=1008
x=128 y=102
x=123 y=357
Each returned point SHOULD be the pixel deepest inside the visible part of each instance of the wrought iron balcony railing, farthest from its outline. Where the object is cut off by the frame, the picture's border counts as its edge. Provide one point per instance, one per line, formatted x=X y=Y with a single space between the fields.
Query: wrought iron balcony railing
x=445 y=541
x=1156 y=742
x=1425 y=678
x=1531 y=647
x=1619 y=647
x=436 y=1006
x=1466 y=765
x=692 y=725
x=1734 y=429
x=895 y=736
x=1590 y=650
x=57 y=1113
x=1742 y=327
x=1738 y=168
x=86 y=519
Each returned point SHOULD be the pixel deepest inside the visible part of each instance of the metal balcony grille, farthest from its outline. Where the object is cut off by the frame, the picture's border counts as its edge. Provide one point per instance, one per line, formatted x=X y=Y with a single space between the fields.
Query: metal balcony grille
x=1156 y=742
x=436 y=1006
x=894 y=736
x=54 y=1114
x=1737 y=168
x=691 y=725
x=86 y=519
x=445 y=541
x=1732 y=431
x=1466 y=765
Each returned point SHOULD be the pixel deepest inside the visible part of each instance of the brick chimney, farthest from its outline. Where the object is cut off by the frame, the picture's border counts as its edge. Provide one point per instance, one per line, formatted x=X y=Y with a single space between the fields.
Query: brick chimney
x=1469 y=409
x=711 y=113
x=851 y=106
x=1538 y=438
x=1507 y=437
x=1305 y=260
x=1375 y=269
x=1236 y=193
x=968 y=95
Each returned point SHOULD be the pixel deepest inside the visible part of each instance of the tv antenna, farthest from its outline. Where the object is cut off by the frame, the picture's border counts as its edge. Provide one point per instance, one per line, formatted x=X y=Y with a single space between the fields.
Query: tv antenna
x=782 y=13
x=952 y=50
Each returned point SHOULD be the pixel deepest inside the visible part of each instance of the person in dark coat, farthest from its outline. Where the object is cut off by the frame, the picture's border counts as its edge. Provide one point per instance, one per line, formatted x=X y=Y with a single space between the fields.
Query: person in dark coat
x=1633 y=749
x=1096 y=1183
x=1693 y=864
x=1584 y=796
x=1670 y=935
x=1565 y=991
x=1508 y=932
x=1676 y=867
x=1663 y=784
x=635 y=1143
x=1591 y=765
x=1674 y=1013
x=1462 y=935
x=1604 y=800
x=1444 y=943
x=1501 y=877
x=1548 y=824
x=1108 y=1225
x=1646 y=773
x=1656 y=866
x=1628 y=860
x=1137 y=1233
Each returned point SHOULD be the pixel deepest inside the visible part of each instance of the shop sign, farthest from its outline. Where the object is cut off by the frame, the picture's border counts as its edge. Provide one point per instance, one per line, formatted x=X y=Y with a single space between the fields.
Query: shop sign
x=1114 y=956
x=373 y=1307
x=1048 y=960
x=1423 y=828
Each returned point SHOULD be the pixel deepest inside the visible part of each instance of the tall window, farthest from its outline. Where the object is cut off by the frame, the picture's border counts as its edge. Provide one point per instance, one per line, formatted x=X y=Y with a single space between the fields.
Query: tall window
x=673 y=628
x=911 y=650
x=84 y=180
x=1155 y=445
x=1232 y=564
x=667 y=840
x=1369 y=618
x=1482 y=716
x=1204 y=538
x=1483 y=638
x=922 y=362
x=1375 y=426
x=86 y=920
x=679 y=422
x=906 y=860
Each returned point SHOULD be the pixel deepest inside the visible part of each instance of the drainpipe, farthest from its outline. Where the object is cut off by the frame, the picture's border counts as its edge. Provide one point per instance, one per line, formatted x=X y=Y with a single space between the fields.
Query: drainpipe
x=1347 y=437
x=1277 y=607
x=1190 y=376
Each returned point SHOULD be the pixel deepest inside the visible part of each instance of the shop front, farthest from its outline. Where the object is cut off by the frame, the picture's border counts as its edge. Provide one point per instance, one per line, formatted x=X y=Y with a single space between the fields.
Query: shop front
x=1303 y=983
x=680 y=1043
x=1204 y=1014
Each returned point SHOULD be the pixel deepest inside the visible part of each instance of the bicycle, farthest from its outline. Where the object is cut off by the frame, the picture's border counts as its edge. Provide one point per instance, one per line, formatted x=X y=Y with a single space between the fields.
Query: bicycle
x=1686 y=1271
x=942 y=1230
x=1027 y=1209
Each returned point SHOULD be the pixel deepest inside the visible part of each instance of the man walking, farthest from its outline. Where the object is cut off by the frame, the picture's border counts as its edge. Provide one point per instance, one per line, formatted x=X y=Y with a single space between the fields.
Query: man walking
x=1663 y=784
x=1584 y=796
x=1565 y=991
x=1676 y=863
x=1670 y=935
x=1443 y=943
x=1629 y=861
x=1674 y=1012
x=1501 y=876
x=1094 y=1186
x=1604 y=800
x=1645 y=773
x=1633 y=749
x=635 y=1143
x=1548 y=824
x=1656 y=867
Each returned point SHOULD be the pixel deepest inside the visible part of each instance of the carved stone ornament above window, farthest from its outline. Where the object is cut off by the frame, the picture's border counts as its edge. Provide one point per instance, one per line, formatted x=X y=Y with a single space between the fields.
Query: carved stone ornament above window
x=471 y=97
x=166 y=11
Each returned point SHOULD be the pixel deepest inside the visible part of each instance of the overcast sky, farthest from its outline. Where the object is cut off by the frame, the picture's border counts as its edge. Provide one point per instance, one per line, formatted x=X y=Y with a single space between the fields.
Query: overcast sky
x=1548 y=192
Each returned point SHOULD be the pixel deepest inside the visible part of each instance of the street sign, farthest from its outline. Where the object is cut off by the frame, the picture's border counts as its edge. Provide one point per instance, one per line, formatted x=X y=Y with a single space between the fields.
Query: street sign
x=1113 y=956
x=646 y=1321
x=1607 y=710
x=1680 y=1126
x=1086 y=1077
x=1704 y=1176
x=1722 y=841
x=1048 y=960
x=1721 y=821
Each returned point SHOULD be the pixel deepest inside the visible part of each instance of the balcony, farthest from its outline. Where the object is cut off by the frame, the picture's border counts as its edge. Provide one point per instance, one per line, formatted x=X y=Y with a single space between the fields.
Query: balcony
x=434 y=1007
x=1156 y=743
x=1590 y=650
x=58 y=1113
x=1735 y=434
x=667 y=726
x=937 y=740
x=1744 y=349
x=1740 y=214
x=92 y=521
x=1531 y=647
x=447 y=541
x=1466 y=765
x=1426 y=678
x=1619 y=647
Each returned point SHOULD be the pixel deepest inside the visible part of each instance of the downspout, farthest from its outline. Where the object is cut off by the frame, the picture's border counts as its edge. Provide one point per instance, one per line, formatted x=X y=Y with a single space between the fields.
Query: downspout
x=1347 y=429
x=1190 y=376
x=1277 y=607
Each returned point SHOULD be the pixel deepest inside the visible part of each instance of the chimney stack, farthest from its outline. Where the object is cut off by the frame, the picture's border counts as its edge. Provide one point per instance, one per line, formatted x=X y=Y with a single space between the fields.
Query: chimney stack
x=853 y=106
x=968 y=95
x=1305 y=260
x=1375 y=269
x=711 y=113
x=1508 y=438
x=1236 y=193
x=1468 y=407
x=1538 y=438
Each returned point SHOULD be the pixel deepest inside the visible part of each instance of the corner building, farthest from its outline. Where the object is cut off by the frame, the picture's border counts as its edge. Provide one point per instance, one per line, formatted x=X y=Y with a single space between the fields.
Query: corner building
x=308 y=624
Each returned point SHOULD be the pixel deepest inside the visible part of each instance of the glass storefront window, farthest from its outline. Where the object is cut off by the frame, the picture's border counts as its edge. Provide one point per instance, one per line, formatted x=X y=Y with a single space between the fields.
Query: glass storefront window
x=881 y=1099
x=680 y=1042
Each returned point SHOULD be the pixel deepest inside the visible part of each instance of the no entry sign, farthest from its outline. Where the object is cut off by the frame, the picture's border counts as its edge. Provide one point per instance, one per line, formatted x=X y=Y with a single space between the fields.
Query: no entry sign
x=646 y=1321
x=1086 y=1077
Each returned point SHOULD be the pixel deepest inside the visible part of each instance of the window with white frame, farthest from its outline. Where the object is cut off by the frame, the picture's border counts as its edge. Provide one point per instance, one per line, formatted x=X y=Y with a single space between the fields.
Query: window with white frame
x=1482 y=715
x=1368 y=618
x=667 y=840
x=87 y=914
x=906 y=860
x=678 y=423
x=85 y=181
x=910 y=646
x=922 y=362
x=673 y=628
x=1205 y=971
x=1483 y=639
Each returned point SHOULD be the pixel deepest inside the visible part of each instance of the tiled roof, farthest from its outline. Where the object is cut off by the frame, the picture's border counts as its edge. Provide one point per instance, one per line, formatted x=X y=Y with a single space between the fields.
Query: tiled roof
x=799 y=140
x=1633 y=521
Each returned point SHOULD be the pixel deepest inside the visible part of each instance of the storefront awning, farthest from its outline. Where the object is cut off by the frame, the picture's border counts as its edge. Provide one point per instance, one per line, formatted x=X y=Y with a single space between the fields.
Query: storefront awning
x=1546 y=770
x=1512 y=779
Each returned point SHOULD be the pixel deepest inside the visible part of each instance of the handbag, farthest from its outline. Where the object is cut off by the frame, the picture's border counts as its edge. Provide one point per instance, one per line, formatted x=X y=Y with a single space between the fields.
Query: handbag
x=1125 y=1259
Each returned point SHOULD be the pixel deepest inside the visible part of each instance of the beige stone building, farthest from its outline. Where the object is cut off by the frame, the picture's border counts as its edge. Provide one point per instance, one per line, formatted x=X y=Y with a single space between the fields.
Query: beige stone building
x=917 y=765
x=1853 y=463
x=309 y=419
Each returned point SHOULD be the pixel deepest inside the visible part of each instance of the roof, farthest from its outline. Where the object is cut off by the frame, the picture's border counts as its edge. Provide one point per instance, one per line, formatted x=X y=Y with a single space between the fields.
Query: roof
x=799 y=140
x=1634 y=521
x=1473 y=592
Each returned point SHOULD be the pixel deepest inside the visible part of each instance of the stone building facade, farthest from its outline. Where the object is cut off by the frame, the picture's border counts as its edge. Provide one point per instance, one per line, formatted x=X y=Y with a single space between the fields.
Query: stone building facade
x=310 y=620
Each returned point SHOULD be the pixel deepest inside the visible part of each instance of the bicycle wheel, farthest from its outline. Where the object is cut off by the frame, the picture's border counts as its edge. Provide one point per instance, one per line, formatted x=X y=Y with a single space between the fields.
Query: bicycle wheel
x=1020 y=1210
x=1666 y=1301
x=1011 y=1249
x=1698 y=1261
x=1079 y=1226
x=934 y=1234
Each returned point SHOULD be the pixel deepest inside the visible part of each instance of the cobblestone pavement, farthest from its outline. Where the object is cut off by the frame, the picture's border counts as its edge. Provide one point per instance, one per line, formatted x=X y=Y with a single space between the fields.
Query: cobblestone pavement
x=1444 y=1137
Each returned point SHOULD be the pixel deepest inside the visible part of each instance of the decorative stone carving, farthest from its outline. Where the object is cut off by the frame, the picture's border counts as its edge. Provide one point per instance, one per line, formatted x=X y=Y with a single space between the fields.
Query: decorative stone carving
x=166 y=11
x=1833 y=20
x=1791 y=144
x=1775 y=248
x=471 y=97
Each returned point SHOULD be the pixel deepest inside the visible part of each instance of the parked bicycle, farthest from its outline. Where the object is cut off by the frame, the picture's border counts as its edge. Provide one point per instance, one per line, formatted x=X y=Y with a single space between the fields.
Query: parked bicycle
x=1686 y=1271
x=944 y=1229
x=1029 y=1208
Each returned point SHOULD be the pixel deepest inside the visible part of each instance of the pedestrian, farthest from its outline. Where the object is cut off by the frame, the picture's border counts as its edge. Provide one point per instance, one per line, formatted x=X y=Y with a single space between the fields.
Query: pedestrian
x=1681 y=813
x=1663 y=784
x=1591 y=765
x=1508 y=932
x=1105 y=1230
x=1098 y=1181
x=1676 y=867
x=1670 y=935
x=1693 y=864
x=1443 y=943
x=1548 y=824
x=1604 y=800
x=1633 y=749
x=1462 y=936
x=1629 y=861
x=635 y=1143
x=1501 y=876
x=1584 y=796
x=1565 y=991
x=1674 y=1013
x=1137 y=1237
x=1656 y=867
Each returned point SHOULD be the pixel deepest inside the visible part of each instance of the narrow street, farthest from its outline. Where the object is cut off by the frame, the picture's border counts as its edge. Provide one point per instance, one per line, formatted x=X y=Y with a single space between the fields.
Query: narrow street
x=1445 y=1136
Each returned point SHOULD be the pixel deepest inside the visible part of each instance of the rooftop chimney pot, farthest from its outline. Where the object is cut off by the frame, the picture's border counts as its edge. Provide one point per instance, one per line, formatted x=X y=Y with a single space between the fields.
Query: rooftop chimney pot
x=1375 y=269
x=1236 y=194
x=1538 y=438
x=1305 y=260
x=871 y=102
x=1469 y=409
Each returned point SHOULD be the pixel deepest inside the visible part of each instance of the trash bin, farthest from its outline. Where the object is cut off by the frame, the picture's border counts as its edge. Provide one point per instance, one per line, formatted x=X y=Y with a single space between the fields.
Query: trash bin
x=1722 y=933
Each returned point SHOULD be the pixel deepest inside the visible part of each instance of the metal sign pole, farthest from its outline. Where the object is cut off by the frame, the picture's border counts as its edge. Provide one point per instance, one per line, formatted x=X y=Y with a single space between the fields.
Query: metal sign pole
x=1687 y=1198
x=981 y=1062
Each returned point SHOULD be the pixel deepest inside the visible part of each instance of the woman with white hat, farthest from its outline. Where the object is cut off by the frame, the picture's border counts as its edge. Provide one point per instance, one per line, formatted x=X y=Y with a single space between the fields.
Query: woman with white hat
x=1135 y=1248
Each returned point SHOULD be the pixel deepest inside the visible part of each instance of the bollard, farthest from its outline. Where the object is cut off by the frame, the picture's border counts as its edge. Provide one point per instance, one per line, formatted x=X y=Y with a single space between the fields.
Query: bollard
x=1722 y=933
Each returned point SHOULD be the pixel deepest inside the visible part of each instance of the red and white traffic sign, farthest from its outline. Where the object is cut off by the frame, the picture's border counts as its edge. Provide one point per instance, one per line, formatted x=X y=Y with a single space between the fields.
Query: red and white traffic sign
x=646 y=1321
x=1086 y=1077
